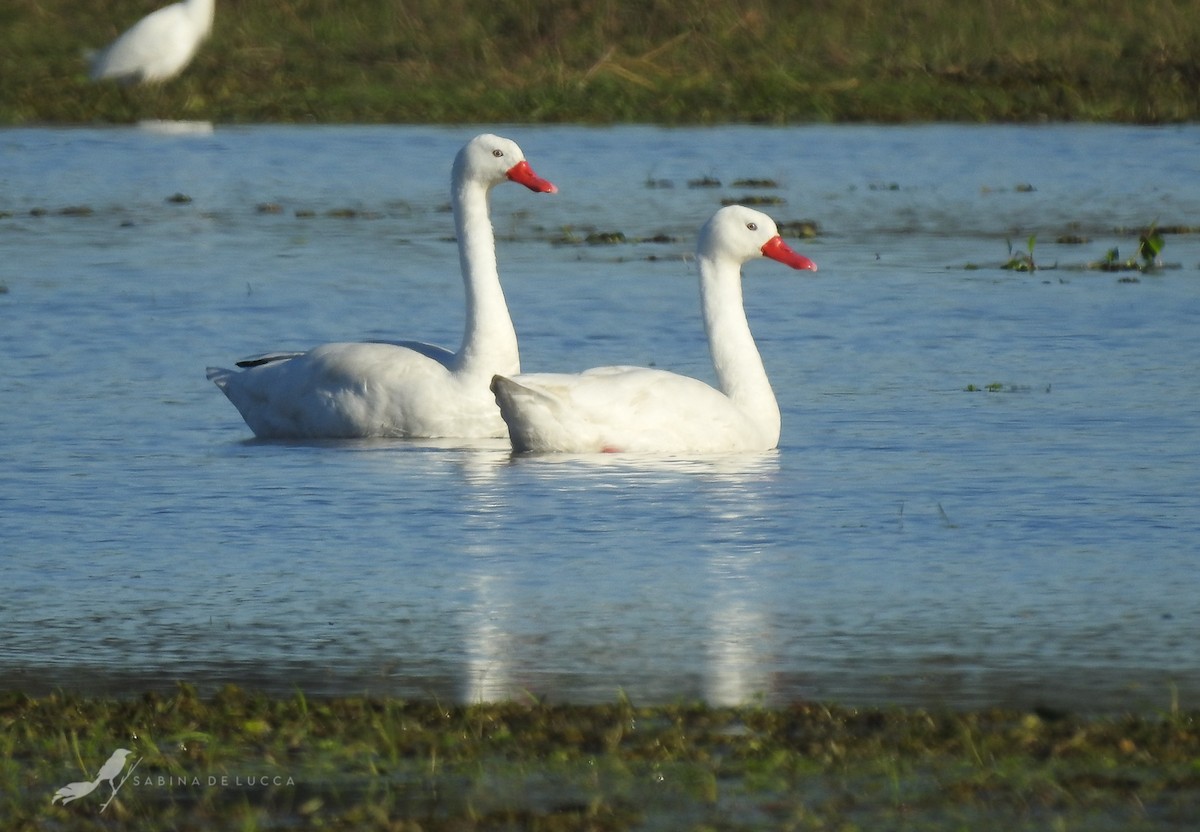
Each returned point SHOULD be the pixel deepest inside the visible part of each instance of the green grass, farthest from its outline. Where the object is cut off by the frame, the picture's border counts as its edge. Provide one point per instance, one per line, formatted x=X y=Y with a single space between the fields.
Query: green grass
x=242 y=760
x=602 y=61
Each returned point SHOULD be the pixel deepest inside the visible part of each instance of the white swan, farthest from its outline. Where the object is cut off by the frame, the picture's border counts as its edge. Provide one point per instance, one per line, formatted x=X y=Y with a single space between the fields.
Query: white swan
x=158 y=46
x=404 y=389
x=639 y=410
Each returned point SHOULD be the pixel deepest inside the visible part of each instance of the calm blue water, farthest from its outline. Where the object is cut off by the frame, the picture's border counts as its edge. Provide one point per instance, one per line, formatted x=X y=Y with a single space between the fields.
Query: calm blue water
x=910 y=542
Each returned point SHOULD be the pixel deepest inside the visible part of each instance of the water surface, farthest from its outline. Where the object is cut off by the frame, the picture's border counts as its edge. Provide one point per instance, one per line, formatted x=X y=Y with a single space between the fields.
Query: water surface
x=909 y=542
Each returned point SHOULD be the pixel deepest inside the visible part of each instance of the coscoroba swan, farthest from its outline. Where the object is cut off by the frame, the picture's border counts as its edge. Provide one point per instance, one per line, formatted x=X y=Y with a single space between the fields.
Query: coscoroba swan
x=641 y=410
x=403 y=389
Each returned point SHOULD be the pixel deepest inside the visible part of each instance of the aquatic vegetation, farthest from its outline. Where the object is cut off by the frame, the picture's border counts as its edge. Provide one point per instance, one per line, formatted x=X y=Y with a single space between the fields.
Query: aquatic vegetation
x=1151 y=241
x=236 y=758
x=754 y=199
x=595 y=238
x=1000 y=387
x=1150 y=246
x=1148 y=259
x=804 y=229
x=569 y=235
x=1022 y=261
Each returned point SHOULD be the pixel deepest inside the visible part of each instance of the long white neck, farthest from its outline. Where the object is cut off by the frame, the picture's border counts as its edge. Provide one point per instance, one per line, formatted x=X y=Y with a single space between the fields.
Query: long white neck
x=489 y=343
x=201 y=12
x=740 y=372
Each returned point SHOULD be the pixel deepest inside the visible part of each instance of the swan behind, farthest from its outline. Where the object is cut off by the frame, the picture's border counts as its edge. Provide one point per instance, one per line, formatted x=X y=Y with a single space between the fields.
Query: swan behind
x=403 y=388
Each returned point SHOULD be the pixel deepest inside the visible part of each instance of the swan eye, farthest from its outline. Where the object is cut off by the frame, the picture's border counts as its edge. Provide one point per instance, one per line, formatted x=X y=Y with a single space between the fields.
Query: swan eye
x=753 y=226
x=497 y=153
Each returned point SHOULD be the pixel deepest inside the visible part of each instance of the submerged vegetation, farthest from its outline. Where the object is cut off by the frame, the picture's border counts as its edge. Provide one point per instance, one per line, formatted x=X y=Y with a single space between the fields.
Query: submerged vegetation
x=676 y=61
x=243 y=760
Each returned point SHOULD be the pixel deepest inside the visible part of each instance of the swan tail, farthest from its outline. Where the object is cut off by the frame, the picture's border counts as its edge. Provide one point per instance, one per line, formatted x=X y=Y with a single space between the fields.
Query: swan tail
x=218 y=376
x=526 y=411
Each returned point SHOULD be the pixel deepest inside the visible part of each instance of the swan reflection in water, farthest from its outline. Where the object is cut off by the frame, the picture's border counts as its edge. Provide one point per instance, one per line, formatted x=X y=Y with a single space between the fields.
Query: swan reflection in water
x=517 y=645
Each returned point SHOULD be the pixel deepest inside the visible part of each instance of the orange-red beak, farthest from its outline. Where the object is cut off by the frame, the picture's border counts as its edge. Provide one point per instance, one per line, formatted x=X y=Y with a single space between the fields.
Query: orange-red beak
x=777 y=249
x=523 y=174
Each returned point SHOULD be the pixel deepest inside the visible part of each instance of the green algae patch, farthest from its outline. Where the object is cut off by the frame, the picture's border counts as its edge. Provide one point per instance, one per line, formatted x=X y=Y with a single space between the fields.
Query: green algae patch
x=239 y=759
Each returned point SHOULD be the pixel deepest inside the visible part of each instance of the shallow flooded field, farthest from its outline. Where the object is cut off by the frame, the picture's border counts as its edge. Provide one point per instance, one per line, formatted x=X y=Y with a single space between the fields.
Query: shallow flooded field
x=985 y=493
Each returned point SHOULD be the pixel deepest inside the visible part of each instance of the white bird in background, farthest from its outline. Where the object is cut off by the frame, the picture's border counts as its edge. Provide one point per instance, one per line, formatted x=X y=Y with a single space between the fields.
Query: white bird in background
x=108 y=773
x=404 y=389
x=158 y=46
x=642 y=410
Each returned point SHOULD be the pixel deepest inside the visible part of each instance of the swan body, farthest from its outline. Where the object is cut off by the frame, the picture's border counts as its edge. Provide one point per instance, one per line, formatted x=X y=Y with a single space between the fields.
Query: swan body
x=643 y=410
x=403 y=388
x=158 y=46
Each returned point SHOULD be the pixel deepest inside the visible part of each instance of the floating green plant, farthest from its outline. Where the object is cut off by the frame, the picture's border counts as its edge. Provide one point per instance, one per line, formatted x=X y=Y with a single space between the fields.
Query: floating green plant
x=1148 y=258
x=1022 y=261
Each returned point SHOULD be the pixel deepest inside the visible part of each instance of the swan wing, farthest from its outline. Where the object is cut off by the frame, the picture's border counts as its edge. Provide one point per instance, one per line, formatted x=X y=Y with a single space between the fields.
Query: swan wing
x=358 y=390
x=619 y=409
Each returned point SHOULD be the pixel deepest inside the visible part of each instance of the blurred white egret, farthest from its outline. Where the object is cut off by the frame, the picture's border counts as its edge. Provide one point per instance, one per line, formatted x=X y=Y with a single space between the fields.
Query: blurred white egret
x=158 y=46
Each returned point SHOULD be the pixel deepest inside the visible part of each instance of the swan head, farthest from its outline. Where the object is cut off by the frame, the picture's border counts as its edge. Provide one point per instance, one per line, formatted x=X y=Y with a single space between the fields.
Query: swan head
x=490 y=160
x=739 y=234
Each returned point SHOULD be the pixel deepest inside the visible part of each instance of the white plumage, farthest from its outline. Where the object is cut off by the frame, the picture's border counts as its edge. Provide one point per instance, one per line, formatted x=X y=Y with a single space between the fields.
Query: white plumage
x=643 y=410
x=404 y=389
x=158 y=46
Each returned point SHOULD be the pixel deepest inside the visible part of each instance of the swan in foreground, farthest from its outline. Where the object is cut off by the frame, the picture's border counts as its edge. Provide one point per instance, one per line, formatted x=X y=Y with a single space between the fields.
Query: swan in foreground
x=404 y=389
x=641 y=410
x=158 y=46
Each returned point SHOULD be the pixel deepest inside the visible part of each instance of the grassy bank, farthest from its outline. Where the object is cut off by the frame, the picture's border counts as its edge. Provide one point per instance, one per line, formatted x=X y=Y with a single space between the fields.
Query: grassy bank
x=244 y=761
x=670 y=61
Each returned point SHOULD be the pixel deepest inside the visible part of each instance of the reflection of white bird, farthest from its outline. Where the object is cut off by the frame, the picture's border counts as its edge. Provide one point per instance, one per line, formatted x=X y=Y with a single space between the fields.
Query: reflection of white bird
x=652 y=411
x=107 y=774
x=158 y=46
x=404 y=389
